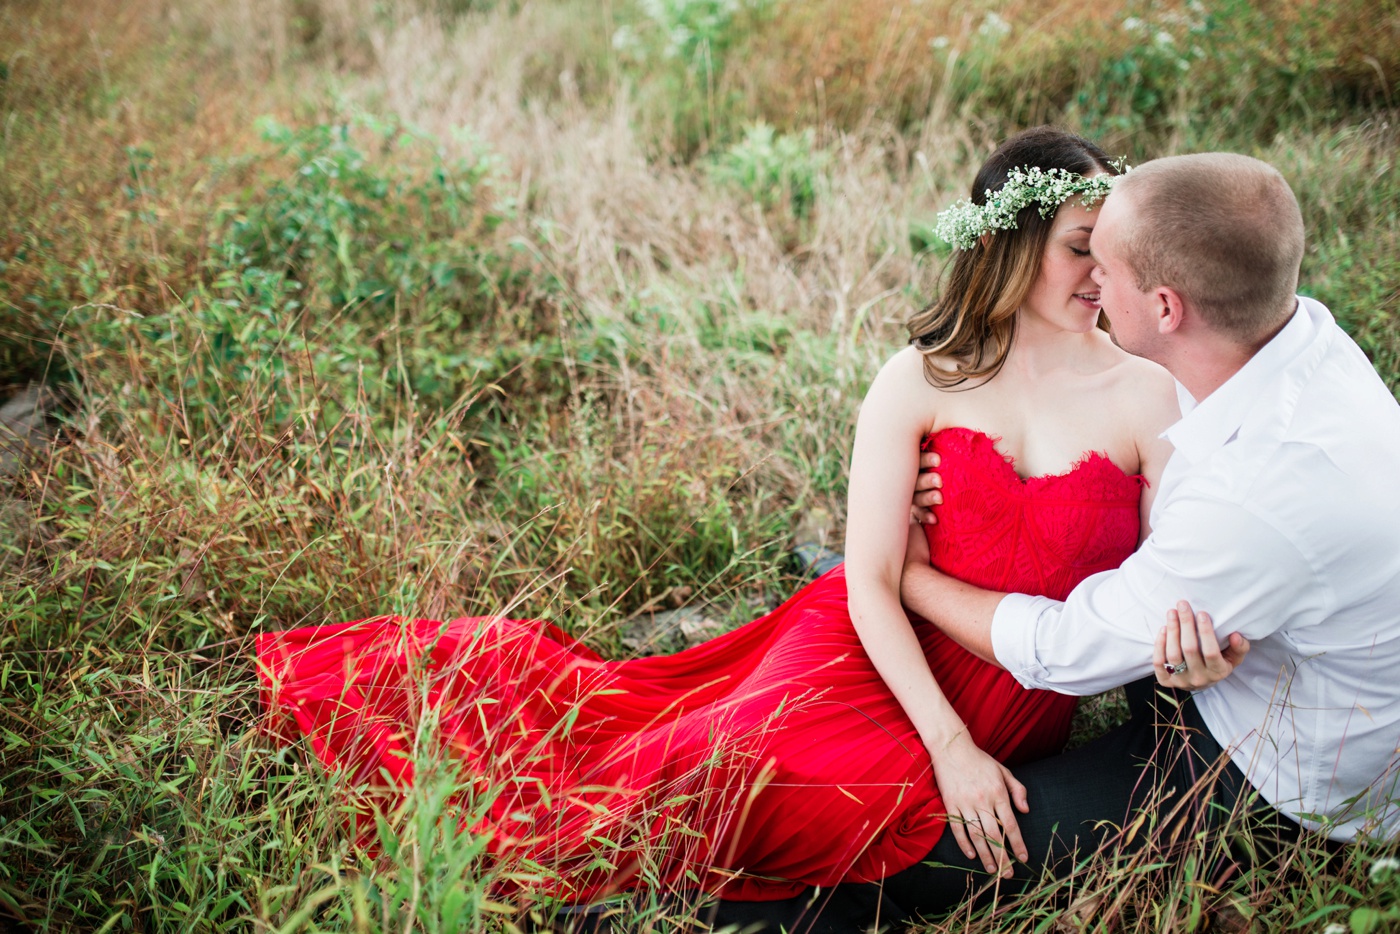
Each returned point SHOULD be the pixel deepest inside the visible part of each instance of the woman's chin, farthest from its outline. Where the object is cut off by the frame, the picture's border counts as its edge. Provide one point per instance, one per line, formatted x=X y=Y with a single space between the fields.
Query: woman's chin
x=1076 y=318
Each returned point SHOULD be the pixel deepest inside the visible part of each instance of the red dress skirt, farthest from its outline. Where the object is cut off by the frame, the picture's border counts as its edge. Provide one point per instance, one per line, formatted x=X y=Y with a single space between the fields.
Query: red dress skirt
x=763 y=761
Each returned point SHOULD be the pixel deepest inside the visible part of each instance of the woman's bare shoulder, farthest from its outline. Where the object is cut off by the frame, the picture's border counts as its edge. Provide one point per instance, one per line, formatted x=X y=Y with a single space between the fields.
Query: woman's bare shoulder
x=901 y=394
x=908 y=368
x=1146 y=391
x=1130 y=373
x=1144 y=375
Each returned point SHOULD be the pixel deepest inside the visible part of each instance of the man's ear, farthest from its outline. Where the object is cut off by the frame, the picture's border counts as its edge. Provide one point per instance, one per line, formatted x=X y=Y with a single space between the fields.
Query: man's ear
x=1171 y=310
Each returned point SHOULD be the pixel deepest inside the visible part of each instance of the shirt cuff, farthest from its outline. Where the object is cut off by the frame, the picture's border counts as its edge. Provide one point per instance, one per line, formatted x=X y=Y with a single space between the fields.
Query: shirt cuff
x=1013 y=637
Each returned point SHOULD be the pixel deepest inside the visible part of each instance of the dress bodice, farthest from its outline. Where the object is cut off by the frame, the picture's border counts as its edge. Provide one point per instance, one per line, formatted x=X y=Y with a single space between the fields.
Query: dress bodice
x=1041 y=535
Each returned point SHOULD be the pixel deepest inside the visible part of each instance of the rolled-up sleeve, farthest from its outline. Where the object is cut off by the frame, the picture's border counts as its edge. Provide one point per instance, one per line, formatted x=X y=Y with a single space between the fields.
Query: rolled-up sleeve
x=1221 y=557
x=1014 y=625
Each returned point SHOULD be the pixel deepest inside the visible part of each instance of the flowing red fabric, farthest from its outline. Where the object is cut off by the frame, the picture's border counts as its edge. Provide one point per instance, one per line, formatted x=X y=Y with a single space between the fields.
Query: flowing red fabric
x=765 y=760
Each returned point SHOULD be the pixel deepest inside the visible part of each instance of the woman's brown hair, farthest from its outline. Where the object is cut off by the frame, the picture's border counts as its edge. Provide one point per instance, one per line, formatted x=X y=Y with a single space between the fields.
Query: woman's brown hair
x=973 y=320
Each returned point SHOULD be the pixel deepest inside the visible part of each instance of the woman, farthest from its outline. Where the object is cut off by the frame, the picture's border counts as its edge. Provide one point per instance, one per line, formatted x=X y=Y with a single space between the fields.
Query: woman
x=1010 y=361
x=831 y=740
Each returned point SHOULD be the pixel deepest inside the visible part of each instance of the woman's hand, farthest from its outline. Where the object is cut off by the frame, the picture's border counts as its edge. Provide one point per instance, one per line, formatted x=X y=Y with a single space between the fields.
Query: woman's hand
x=928 y=489
x=982 y=797
x=1188 y=654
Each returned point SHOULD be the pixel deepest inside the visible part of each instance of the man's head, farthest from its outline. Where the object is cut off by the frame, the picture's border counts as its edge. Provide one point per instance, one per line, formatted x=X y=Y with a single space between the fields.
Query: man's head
x=1219 y=234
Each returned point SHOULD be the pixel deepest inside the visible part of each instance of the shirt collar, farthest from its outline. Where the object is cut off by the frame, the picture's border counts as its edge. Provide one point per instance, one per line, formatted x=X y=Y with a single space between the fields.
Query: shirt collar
x=1215 y=421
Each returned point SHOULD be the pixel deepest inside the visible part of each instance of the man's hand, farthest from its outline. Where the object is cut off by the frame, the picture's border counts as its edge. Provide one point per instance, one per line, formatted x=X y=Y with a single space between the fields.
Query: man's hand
x=927 y=489
x=1188 y=654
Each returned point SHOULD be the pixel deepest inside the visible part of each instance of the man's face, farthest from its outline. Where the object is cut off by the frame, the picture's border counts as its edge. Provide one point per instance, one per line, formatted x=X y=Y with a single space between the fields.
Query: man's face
x=1131 y=312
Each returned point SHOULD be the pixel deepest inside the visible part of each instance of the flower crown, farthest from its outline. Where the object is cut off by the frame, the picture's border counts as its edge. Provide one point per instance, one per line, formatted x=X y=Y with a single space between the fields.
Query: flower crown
x=965 y=223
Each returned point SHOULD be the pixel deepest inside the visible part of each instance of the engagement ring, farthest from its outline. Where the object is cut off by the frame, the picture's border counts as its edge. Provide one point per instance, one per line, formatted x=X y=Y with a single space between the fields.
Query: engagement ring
x=1174 y=669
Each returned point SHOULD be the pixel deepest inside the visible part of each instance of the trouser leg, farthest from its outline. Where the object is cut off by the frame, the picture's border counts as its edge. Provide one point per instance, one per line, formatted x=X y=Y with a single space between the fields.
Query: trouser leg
x=851 y=908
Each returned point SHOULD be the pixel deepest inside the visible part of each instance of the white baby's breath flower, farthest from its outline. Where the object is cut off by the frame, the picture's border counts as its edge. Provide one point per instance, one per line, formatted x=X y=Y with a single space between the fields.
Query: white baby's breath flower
x=1335 y=928
x=938 y=42
x=1384 y=868
x=966 y=222
x=1133 y=24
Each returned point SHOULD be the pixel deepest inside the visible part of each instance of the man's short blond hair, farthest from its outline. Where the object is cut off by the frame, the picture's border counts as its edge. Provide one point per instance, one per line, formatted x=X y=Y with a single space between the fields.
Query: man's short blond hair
x=1224 y=231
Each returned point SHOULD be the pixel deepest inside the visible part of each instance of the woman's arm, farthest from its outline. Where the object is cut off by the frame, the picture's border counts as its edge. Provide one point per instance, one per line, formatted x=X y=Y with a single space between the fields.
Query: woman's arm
x=980 y=794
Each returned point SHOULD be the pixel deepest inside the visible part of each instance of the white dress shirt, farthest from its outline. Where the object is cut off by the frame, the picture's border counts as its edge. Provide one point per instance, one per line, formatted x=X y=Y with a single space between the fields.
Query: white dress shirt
x=1279 y=514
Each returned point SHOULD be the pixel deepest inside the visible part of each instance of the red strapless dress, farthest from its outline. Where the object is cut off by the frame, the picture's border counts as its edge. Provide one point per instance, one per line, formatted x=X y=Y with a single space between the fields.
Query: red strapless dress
x=763 y=761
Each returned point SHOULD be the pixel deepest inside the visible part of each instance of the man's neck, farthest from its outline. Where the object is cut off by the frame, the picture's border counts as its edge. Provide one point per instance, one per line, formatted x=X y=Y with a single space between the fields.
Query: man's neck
x=1204 y=365
x=1202 y=372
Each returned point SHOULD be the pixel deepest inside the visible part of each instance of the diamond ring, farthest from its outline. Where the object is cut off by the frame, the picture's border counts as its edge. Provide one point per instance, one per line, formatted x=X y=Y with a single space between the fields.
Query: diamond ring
x=1174 y=669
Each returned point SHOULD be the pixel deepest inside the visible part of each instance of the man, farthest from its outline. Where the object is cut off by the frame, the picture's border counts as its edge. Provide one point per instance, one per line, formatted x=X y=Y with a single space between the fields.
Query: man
x=1278 y=514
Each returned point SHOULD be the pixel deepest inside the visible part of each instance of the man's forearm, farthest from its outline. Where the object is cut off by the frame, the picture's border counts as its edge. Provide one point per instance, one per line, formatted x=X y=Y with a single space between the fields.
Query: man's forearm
x=961 y=610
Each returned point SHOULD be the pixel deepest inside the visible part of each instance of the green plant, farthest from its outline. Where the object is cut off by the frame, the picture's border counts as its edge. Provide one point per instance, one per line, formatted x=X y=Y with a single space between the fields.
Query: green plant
x=1141 y=87
x=779 y=171
x=361 y=231
x=683 y=49
x=698 y=32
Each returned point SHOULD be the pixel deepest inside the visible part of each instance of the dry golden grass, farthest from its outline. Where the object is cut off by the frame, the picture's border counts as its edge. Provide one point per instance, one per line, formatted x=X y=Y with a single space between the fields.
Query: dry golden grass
x=883 y=61
x=111 y=129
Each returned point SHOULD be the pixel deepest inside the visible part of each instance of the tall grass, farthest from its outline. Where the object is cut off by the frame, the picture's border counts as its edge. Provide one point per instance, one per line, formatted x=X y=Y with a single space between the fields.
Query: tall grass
x=524 y=308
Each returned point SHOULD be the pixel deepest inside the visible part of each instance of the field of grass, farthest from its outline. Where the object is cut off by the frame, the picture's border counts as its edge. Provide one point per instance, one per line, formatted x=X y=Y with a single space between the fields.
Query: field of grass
x=551 y=308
